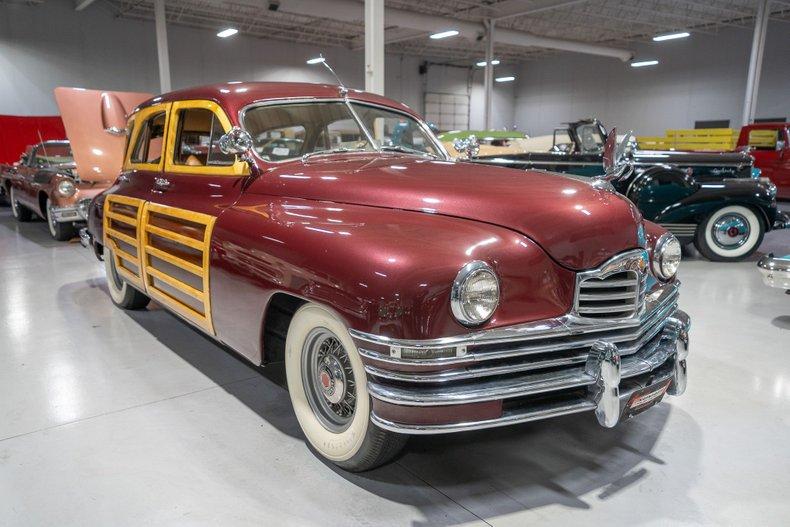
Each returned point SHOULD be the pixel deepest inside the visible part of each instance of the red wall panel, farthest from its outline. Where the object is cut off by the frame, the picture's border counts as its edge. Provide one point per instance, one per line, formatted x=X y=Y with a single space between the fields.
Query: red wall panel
x=17 y=132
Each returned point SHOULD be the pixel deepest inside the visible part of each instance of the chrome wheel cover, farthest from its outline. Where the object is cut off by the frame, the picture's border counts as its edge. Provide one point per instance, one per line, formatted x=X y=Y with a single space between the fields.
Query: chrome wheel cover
x=328 y=379
x=730 y=231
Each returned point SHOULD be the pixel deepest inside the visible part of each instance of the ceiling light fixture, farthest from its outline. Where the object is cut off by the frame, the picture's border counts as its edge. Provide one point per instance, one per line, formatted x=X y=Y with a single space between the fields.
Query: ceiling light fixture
x=505 y=79
x=644 y=63
x=444 y=34
x=225 y=33
x=482 y=63
x=671 y=36
x=316 y=60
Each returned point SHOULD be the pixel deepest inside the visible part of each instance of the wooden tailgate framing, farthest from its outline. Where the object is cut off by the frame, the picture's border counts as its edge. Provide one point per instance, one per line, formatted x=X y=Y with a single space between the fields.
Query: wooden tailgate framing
x=137 y=255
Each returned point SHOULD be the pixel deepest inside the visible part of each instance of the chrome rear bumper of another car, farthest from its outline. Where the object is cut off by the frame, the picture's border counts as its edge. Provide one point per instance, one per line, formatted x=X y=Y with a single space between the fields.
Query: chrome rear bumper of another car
x=782 y=221
x=530 y=372
x=775 y=271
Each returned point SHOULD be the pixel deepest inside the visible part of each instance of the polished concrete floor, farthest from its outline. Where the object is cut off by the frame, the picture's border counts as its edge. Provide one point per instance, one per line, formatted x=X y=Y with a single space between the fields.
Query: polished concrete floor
x=116 y=418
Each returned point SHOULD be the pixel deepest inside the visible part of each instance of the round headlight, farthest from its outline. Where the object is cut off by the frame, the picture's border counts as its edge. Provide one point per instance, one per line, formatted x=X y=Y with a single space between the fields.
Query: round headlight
x=666 y=257
x=66 y=188
x=475 y=294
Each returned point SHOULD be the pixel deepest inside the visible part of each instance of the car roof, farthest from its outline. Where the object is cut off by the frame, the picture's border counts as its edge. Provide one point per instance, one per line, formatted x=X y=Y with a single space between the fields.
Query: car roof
x=235 y=95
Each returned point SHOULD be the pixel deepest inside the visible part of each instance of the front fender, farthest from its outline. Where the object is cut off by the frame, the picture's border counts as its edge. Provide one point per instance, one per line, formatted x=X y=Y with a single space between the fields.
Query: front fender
x=384 y=271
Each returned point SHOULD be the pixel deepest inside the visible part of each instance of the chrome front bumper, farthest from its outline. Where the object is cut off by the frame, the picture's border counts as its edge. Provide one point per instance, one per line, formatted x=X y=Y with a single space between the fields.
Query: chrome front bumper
x=782 y=221
x=775 y=271
x=78 y=212
x=530 y=372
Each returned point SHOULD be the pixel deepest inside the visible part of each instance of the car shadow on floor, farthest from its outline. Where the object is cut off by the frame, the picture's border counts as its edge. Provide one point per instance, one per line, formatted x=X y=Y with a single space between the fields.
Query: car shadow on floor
x=569 y=461
x=35 y=230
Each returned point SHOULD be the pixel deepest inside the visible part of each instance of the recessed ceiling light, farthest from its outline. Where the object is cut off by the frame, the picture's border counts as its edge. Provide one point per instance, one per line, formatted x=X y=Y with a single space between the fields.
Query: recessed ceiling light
x=316 y=60
x=505 y=79
x=671 y=36
x=644 y=63
x=225 y=33
x=482 y=63
x=444 y=34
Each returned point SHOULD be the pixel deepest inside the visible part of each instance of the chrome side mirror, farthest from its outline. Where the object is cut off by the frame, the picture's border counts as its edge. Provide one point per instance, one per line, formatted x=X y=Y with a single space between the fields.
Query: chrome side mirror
x=236 y=141
x=615 y=161
x=469 y=146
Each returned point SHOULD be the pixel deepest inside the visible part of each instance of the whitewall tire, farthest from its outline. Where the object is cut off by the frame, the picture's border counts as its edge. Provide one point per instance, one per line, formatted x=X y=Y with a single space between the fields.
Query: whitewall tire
x=61 y=231
x=327 y=385
x=20 y=212
x=730 y=233
x=122 y=294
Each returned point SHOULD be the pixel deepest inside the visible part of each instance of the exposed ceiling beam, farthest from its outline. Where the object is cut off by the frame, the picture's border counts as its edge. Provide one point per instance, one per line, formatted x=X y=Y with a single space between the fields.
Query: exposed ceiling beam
x=79 y=5
x=535 y=7
x=350 y=11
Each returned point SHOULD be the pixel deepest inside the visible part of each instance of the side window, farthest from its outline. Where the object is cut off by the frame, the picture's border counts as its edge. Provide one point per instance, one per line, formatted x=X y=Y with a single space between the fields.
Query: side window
x=763 y=139
x=197 y=142
x=150 y=140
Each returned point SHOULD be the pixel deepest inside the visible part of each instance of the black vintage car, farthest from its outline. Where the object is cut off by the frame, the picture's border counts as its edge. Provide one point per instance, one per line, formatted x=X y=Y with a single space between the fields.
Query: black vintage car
x=715 y=200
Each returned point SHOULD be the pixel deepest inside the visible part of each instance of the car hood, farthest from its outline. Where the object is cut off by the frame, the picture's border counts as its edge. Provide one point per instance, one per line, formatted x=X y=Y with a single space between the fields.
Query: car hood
x=578 y=225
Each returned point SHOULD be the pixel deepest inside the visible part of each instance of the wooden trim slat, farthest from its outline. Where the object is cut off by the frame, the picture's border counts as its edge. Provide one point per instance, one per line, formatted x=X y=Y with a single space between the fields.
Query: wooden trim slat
x=174 y=260
x=177 y=284
x=122 y=218
x=181 y=308
x=174 y=236
x=123 y=237
x=123 y=254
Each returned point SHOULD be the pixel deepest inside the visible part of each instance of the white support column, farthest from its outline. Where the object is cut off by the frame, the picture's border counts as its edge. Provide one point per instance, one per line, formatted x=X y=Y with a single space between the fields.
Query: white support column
x=161 y=45
x=756 y=61
x=374 y=46
x=488 y=80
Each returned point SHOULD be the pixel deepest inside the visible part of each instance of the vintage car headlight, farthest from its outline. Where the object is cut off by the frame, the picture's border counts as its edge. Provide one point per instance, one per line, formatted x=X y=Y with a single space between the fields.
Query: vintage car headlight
x=475 y=294
x=666 y=256
x=66 y=188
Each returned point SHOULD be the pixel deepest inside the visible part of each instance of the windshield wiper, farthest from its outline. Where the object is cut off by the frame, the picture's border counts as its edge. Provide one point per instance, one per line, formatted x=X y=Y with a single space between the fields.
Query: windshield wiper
x=407 y=150
x=337 y=150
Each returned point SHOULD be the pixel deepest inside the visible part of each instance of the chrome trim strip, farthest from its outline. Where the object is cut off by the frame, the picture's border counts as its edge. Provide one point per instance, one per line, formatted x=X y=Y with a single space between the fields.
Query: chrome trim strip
x=644 y=335
x=635 y=262
x=508 y=418
x=656 y=353
x=566 y=325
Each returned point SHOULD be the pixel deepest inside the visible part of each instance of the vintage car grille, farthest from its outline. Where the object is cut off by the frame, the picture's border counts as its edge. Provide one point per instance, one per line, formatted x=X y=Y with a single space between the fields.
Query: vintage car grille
x=524 y=366
x=618 y=295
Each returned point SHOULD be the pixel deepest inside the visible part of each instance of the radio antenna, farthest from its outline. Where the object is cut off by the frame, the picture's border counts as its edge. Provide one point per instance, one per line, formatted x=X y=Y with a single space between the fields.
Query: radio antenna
x=43 y=147
x=322 y=60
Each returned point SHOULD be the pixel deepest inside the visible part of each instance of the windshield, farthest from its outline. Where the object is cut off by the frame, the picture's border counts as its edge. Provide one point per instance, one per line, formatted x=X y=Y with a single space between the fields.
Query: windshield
x=287 y=131
x=590 y=138
x=52 y=154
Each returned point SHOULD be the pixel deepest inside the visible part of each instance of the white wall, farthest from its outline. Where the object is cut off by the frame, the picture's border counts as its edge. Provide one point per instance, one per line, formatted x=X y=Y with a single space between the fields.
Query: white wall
x=51 y=45
x=699 y=78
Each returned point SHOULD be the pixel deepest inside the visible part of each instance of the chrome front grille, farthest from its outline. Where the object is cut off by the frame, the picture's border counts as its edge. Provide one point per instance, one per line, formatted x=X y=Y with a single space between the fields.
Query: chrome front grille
x=619 y=295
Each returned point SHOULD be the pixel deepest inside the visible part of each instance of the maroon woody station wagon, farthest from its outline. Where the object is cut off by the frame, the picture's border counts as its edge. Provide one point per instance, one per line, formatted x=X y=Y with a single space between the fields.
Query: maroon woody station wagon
x=406 y=293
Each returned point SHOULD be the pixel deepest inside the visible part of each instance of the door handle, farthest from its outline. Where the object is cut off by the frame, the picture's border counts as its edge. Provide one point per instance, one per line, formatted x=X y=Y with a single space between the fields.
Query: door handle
x=161 y=184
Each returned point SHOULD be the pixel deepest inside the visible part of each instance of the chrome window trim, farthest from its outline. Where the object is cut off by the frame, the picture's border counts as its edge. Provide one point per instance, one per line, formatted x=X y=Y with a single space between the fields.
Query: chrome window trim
x=348 y=101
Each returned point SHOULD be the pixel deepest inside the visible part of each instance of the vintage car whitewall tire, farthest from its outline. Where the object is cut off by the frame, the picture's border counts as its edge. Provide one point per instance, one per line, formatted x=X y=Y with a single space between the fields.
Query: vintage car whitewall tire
x=730 y=233
x=61 y=231
x=20 y=212
x=325 y=377
x=122 y=294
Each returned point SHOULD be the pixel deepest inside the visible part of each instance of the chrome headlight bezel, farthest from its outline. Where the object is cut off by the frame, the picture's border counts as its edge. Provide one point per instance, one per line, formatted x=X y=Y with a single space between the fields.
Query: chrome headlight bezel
x=666 y=247
x=458 y=294
x=67 y=188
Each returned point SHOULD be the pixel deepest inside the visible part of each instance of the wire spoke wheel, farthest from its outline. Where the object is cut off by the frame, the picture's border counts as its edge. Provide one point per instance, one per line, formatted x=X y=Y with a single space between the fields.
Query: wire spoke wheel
x=328 y=379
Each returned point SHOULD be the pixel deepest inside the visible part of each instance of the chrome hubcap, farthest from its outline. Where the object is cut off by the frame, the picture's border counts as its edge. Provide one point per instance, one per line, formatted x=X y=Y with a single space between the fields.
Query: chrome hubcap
x=328 y=379
x=731 y=231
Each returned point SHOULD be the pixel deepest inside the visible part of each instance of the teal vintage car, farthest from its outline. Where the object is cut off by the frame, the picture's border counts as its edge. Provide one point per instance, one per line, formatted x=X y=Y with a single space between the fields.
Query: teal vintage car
x=716 y=200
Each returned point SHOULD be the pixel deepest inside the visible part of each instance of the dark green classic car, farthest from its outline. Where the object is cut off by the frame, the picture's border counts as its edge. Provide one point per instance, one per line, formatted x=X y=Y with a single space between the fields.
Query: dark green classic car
x=715 y=200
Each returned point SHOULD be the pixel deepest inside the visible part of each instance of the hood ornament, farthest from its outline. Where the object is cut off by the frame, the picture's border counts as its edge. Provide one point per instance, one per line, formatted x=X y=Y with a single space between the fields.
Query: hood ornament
x=617 y=163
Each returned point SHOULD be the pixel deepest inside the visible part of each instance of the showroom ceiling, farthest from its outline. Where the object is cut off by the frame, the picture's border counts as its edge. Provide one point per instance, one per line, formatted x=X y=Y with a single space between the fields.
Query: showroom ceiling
x=607 y=22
